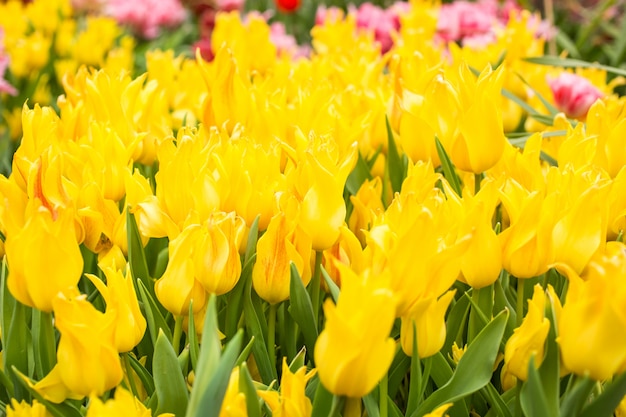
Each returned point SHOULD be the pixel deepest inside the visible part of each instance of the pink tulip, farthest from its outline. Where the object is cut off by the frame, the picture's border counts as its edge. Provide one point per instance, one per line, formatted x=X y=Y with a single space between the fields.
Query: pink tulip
x=5 y=87
x=573 y=94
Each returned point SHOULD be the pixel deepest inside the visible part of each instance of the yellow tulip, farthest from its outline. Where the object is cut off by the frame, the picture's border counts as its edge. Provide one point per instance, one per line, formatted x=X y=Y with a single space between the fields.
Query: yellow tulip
x=439 y=411
x=216 y=254
x=234 y=403
x=356 y=333
x=367 y=205
x=23 y=409
x=121 y=302
x=528 y=339
x=87 y=339
x=178 y=286
x=33 y=254
x=428 y=315
x=527 y=248
x=122 y=404
x=282 y=243
x=589 y=342
x=292 y=401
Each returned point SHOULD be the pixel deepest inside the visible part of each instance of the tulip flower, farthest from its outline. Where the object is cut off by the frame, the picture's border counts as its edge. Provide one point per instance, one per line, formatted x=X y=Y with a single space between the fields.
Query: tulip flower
x=592 y=311
x=216 y=255
x=291 y=401
x=573 y=94
x=288 y=6
x=234 y=403
x=178 y=285
x=123 y=403
x=33 y=253
x=356 y=333
x=121 y=302
x=87 y=337
x=282 y=243
x=528 y=339
x=24 y=409
x=367 y=205
x=428 y=316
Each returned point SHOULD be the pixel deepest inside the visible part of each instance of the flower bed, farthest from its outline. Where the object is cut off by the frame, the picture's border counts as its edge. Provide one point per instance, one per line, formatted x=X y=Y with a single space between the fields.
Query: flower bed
x=419 y=214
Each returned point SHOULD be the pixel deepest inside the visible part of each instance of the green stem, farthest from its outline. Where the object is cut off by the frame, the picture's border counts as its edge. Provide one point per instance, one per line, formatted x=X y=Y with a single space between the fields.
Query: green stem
x=271 y=336
x=315 y=285
x=519 y=308
x=384 y=388
x=178 y=330
x=129 y=374
x=477 y=180
x=337 y=406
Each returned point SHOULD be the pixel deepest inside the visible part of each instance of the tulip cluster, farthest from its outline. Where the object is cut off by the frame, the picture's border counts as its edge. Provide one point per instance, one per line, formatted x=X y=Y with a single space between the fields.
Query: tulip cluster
x=416 y=228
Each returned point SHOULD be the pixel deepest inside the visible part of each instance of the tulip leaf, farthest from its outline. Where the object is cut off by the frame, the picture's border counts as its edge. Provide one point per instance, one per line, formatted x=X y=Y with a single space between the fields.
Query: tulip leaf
x=234 y=307
x=298 y=361
x=549 y=371
x=532 y=395
x=455 y=323
x=605 y=404
x=575 y=397
x=144 y=376
x=448 y=168
x=253 y=236
x=397 y=371
x=371 y=403
x=257 y=328
x=417 y=378
x=497 y=402
x=301 y=309
x=169 y=383
x=246 y=385
x=573 y=63
x=16 y=346
x=161 y=262
x=136 y=254
x=482 y=300
x=210 y=354
x=192 y=335
x=322 y=402
x=209 y=388
x=245 y=352
x=155 y=319
x=44 y=342
x=57 y=410
x=395 y=166
x=332 y=287
x=358 y=176
x=474 y=369
x=551 y=109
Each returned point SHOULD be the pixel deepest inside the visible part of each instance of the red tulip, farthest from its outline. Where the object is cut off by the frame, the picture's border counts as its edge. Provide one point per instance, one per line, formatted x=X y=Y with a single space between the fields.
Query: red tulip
x=288 y=6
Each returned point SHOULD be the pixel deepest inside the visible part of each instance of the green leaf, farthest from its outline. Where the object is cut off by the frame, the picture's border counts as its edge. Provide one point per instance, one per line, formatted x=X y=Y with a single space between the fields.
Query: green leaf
x=567 y=44
x=573 y=63
x=136 y=254
x=549 y=371
x=16 y=346
x=322 y=402
x=57 y=410
x=235 y=299
x=397 y=371
x=209 y=389
x=155 y=319
x=371 y=403
x=44 y=342
x=455 y=323
x=298 y=361
x=551 y=109
x=448 y=168
x=358 y=176
x=169 y=383
x=256 y=328
x=482 y=301
x=246 y=386
x=253 y=236
x=332 y=287
x=417 y=379
x=245 y=352
x=606 y=403
x=143 y=374
x=475 y=368
x=532 y=396
x=192 y=335
x=395 y=166
x=497 y=402
x=301 y=309
x=575 y=397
